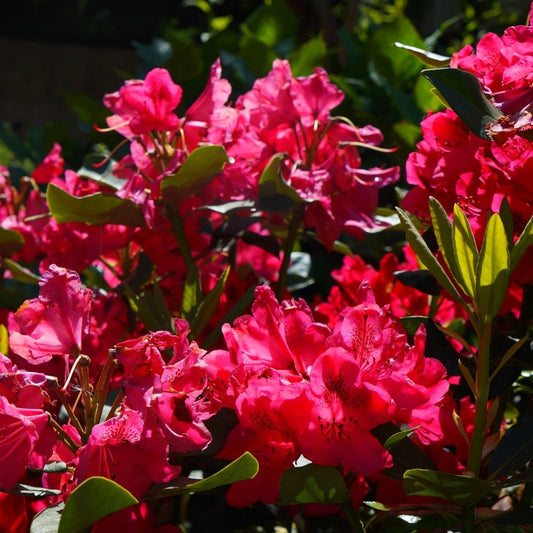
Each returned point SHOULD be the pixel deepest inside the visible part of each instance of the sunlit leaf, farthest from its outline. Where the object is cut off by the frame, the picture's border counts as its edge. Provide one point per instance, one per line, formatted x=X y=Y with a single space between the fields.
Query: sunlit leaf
x=493 y=272
x=90 y=501
x=242 y=468
x=429 y=58
x=93 y=209
x=47 y=520
x=200 y=167
x=466 y=251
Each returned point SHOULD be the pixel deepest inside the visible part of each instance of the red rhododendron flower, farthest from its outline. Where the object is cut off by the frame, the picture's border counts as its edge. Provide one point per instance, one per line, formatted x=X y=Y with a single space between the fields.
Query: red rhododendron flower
x=54 y=323
x=25 y=440
x=146 y=105
x=122 y=450
x=51 y=167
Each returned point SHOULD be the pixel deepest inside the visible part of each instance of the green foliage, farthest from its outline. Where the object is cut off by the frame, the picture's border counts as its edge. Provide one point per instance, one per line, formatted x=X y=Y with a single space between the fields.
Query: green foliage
x=90 y=501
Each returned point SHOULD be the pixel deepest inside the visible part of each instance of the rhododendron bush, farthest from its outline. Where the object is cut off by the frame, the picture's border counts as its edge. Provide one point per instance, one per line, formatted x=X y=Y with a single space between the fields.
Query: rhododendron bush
x=164 y=355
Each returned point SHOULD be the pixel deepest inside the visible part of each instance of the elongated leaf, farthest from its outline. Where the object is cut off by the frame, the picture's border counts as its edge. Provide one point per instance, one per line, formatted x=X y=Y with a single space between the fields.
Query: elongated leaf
x=515 y=449
x=461 y=490
x=144 y=311
x=208 y=305
x=395 y=439
x=423 y=252
x=312 y=484
x=242 y=468
x=200 y=167
x=462 y=92
x=522 y=244
x=422 y=280
x=493 y=272
x=274 y=192
x=94 y=209
x=93 y=169
x=429 y=58
x=443 y=230
x=192 y=294
x=21 y=273
x=11 y=242
x=466 y=251
x=93 y=499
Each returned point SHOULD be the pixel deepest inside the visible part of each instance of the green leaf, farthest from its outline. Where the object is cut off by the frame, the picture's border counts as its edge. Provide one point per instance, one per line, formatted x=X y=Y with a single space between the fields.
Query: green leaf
x=466 y=252
x=427 y=258
x=429 y=58
x=90 y=501
x=399 y=68
x=47 y=521
x=208 y=305
x=443 y=229
x=493 y=272
x=11 y=242
x=192 y=294
x=309 y=55
x=93 y=169
x=93 y=209
x=21 y=273
x=461 y=490
x=312 y=484
x=395 y=439
x=274 y=192
x=522 y=244
x=514 y=450
x=242 y=468
x=200 y=167
x=462 y=92
x=146 y=310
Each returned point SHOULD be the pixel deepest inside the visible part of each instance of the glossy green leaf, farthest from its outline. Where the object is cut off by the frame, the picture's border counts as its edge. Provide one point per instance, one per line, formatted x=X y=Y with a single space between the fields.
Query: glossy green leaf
x=429 y=58
x=93 y=169
x=493 y=271
x=90 y=501
x=274 y=192
x=443 y=230
x=47 y=520
x=466 y=251
x=395 y=439
x=242 y=468
x=11 y=242
x=426 y=257
x=93 y=209
x=462 y=92
x=522 y=244
x=147 y=310
x=514 y=450
x=208 y=305
x=309 y=55
x=461 y=490
x=312 y=484
x=200 y=167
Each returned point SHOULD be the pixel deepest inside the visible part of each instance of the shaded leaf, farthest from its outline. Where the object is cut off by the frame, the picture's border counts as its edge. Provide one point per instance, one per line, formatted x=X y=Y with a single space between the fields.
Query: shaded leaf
x=422 y=280
x=312 y=484
x=515 y=449
x=462 y=92
x=193 y=293
x=93 y=169
x=522 y=244
x=461 y=490
x=93 y=209
x=200 y=167
x=242 y=468
x=274 y=192
x=309 y=55
x=395 y=439
x=11 y=242
x=90 y=501
x=20 y=273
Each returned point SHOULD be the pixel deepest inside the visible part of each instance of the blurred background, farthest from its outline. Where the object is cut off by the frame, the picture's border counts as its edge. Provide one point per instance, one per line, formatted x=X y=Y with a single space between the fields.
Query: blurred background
x=59 y=57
